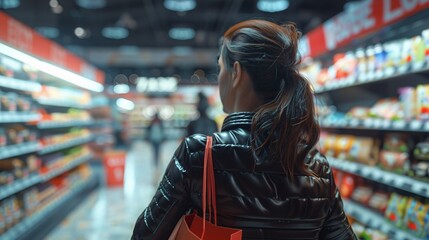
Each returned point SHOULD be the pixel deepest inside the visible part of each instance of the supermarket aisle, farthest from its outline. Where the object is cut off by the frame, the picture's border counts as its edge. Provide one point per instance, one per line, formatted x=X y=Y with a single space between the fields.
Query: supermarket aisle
x=110 y=213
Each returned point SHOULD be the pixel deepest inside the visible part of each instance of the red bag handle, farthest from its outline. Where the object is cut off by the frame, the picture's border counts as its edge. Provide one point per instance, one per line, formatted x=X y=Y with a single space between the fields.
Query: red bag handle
x=209 y=187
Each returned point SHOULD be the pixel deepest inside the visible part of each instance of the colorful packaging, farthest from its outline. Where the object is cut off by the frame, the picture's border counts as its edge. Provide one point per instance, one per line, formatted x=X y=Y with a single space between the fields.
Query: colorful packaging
x=395 y=210
x=423 y=101
x=415 y=217
x=407 y=97
x=425 y=36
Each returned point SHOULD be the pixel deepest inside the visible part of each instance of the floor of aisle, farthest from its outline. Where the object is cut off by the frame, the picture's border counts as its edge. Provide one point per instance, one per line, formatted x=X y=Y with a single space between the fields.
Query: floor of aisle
x=110 y=213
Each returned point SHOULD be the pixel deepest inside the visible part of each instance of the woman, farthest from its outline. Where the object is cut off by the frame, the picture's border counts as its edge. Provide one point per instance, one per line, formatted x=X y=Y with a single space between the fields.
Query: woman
x=270 y=180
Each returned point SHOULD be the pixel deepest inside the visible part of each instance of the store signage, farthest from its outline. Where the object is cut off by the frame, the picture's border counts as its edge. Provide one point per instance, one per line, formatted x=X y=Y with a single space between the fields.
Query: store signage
x=156 y=85
x=17 y=35
x=356 y=21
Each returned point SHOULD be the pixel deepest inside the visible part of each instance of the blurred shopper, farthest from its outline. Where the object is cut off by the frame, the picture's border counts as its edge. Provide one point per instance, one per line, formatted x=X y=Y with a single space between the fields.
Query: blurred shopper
x=156 y=135
x=203 y=124
x=271 y=181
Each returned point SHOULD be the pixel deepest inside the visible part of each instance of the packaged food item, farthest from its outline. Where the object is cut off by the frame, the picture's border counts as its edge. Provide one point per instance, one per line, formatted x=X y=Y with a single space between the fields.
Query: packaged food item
x=418 y=51
x=6 y=177
x=347 y=186
x=343 y=145
x=30 y=201
x=425 y=36
x=423 y=101
x=421 y=151
x=14 y=136
x=405 y=55
x=407 y=97
x=415 y=218
x=397 y=142
x=380 y=60
x=2 y=219
x=15 y=166
x=364 y=150
x=370 y=56
x=358 y=113
x=361 y=62
x=396 y=208
x=3 y=137
x=379 y=201
x=395 y=153
x=23 y=104
x=362 y=194
x=387 y=109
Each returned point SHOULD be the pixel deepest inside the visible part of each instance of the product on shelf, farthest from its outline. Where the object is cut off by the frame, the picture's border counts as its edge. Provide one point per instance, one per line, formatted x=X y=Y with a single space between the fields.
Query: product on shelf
x=407 y=97
x=360 y=149
x=379 y=201
x=62 y=138
x=358 y=113
x=423 y=101
x=394 y=155
x=347 y=186
x=362 y=194
x=396 y=208
x=365 y=233
x=425 y=36
x=30 y=200
x=417 y=50
x=387 y=109
x=416 y=218
x=71 y=115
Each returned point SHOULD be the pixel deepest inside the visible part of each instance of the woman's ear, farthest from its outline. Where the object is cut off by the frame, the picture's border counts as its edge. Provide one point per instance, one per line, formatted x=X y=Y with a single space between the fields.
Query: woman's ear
x=237 y=73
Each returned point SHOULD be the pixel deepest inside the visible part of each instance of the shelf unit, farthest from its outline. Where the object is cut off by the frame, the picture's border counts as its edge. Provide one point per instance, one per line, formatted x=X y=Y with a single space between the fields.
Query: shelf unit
x=20 y=85
x=64 y=145
x=375 y=174
x=60 y=103
x=375 y=124
x=22 y=184
x=18 y=117
x=18 y=149
x=373 y=77
x=32 y=226
x=64 y=124
x=375 y=220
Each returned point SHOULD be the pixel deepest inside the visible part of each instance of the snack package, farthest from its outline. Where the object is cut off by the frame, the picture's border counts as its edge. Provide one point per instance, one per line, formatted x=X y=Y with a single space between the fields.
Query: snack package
x=362 y=194
x=342 y=146
x=421 y=151
x=397 y=143
x=407 y=98
x=386 y=108
x=395 y=210
x=415 y=218
x=395 y=161
x=364 y=150
x=379 y=201
x=418 y=50
x=347 y=186
x=425 y=36
x=423 y=101
x=358 y=113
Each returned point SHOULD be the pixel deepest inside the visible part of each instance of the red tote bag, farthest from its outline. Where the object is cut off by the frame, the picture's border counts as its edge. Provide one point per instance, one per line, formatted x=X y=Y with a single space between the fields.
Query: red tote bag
x=193 y=227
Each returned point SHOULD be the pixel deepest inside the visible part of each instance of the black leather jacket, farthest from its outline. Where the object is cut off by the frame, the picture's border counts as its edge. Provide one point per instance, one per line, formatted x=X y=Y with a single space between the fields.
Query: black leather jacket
x=251 y=195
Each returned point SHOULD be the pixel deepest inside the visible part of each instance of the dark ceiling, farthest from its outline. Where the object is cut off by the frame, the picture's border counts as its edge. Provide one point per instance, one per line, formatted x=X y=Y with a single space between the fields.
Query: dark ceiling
x=148 y=50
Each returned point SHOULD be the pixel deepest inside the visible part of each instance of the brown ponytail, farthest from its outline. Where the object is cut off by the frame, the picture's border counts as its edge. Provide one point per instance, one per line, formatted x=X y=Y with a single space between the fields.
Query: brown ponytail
x=284 y=128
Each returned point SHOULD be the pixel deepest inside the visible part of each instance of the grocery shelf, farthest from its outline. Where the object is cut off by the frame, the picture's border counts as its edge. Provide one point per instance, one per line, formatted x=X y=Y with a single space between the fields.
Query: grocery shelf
x=385 y=75
x=374 y=220
x=375 y=124
x=18 y=149
x=63 y=124
x=34 y=227
x=59 y=103
x=22 y=184
x=21 y=85
x=69 y=166
x=378 y=175
x=15 y=117
x=64 y=145
x=18 y=186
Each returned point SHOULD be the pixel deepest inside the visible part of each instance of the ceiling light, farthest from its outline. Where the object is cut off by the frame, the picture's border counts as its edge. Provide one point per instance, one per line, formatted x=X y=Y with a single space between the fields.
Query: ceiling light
x=53 y=3
x=272 y=5
x=115 y=32
x=51 y=69
x=58 y=9
x=181 y=33
x=125 y=104
x=121 y=89
x=49 y=32
x=180 y=5
x=91 y=4
x=81 y=33
x=6 y=4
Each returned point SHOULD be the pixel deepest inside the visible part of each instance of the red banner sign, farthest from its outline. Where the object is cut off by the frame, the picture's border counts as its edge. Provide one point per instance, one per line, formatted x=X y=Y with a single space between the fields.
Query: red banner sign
x=23 y=38
x=356 y=21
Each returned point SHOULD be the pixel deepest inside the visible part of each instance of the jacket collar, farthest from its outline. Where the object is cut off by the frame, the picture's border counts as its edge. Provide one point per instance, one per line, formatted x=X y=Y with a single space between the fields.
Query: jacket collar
x=238 y=120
